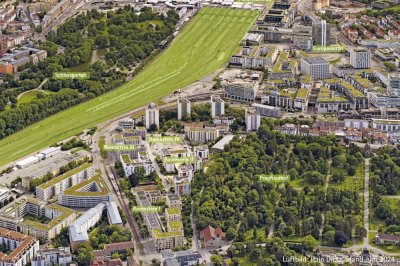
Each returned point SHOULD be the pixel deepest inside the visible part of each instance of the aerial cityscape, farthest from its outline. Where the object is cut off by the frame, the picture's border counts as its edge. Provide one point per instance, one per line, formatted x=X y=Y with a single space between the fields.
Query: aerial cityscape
x=199 y=132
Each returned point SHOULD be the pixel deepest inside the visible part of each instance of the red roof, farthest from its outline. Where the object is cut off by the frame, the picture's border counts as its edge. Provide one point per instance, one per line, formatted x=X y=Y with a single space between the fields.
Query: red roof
x=210 y=233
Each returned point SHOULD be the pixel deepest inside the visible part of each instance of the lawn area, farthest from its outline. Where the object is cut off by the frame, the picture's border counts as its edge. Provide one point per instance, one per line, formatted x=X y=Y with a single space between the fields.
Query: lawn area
x=353 y=183
x=202 y=47
x=28 y=96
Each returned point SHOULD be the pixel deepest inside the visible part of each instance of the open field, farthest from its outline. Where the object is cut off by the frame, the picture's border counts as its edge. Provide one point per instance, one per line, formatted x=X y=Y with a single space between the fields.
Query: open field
x=204 y=45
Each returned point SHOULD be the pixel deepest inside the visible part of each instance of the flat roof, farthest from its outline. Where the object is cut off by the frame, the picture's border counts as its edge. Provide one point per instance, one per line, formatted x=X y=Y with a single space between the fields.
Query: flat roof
x=222 y=142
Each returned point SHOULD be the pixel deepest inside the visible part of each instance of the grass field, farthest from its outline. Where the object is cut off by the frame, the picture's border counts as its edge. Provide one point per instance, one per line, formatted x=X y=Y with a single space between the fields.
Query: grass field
x=204 y=45
x=28 y=96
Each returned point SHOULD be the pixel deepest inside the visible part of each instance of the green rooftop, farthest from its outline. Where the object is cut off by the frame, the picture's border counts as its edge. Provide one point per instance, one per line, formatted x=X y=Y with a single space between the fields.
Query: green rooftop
x=172 y=211
x=126 y=158
x=68 y=174
x=325 y=96
x=302 y=93
x=160 y=234
x=65 y=213
x=175 y=225
x=353 y=91
x=74 y=190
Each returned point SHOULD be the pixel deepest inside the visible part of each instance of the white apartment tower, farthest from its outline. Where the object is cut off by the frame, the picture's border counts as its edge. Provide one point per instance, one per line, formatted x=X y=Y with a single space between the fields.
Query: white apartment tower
x=394 y=84
x=217 y=106
x=253 y=120
x=152 y=115
x=184 y=108
x=360 y=58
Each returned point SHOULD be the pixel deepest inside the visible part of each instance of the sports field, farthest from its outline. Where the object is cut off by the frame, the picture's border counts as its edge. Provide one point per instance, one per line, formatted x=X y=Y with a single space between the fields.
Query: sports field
x=204 y=45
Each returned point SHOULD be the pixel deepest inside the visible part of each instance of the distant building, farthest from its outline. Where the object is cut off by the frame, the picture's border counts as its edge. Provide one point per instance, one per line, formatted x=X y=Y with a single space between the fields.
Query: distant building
x=152 y=115
x=240 y=90
x=184 y=108
x=386 y=125
x=217 y=106
x=321 y=33
x=317 y=68
x=253 y=120
x=267 y=110
x=202 y=135
x=394 y=84
x=360 y=58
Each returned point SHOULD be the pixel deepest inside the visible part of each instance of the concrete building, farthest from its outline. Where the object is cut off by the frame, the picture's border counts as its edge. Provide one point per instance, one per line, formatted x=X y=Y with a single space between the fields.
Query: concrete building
x=321 y=33
x=184 y=108
x=152 y=115
x=217 y=106
x=130 y=165
x=386 y=125
x=266 y=110
x=317 y=68
x=253 y=120
x=240 y=89
x=394 y=84
x=360 y=58
x=202 y=135
x=55 y=256
x=62 y=182
x=86 y=194
x=78 y=229
x=22 y=248
x=254 y=57
x=184 y=257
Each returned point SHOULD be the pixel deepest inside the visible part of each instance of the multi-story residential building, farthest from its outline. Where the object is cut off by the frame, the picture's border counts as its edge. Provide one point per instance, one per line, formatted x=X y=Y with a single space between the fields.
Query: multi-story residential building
x=360 y=58
x=173 y=215
x=202 y=151
x=240 y=90
x=328 y=102
x=254 y=57
x=130 y=165
x=182 y=181
x=86 y=194
x=60 y=217
x=252 y=119
x=217 y=106
x=22 y=248
x=78 y=229
x=62 y=182
x=54 y=256
x=152 y=116
x=394 y=84
x=10 y=62
x=267 y=110
x=386 y=125
x=202 y=135
x=184 y=108
x=316 y=67
x=174 y=201
x=168 y=240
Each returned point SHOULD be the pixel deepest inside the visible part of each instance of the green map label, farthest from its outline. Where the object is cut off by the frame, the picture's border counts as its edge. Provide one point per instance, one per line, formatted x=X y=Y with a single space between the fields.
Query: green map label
x=119 y=147
x=146 y=209
x=173 y=160
x=71 y=75
x=337 y=48
x=164 y=139
x=274 y=178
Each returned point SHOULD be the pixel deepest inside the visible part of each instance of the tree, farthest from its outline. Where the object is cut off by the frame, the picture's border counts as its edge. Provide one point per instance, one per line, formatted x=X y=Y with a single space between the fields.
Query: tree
x=309 y=243
x=360 y=232
x=84 y=254
x=341 y=238
x=155 y=262
x=216 y=260
x=153 y=127
x=231 y=233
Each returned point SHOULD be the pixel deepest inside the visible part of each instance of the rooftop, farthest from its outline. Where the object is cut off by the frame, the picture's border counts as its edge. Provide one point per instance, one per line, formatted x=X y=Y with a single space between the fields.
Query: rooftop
x=68 y=174
x=100 y=187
